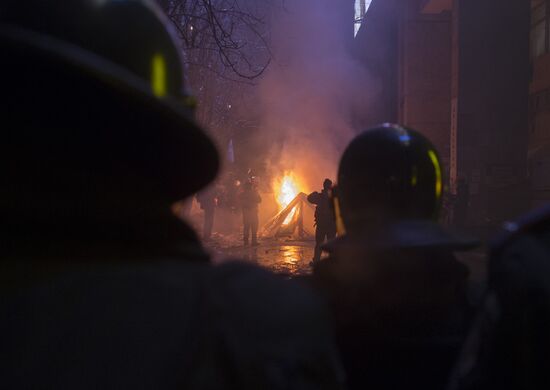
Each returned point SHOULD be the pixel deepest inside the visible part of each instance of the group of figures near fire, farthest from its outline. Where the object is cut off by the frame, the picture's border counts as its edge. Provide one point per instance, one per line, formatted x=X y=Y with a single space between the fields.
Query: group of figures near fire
x=245 y=198
x=103 y=287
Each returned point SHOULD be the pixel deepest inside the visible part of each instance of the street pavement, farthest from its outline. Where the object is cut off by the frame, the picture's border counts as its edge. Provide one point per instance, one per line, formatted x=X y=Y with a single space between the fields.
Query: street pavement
x=292 y=258
x=283 y=256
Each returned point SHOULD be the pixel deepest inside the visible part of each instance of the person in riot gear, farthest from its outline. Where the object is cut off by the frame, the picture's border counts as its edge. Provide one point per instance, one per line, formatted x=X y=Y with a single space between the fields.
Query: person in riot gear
x=250 y=199
x=508 y=345
x=102 y=286
x=325 y=225
x=461 y=203
x=397 y=292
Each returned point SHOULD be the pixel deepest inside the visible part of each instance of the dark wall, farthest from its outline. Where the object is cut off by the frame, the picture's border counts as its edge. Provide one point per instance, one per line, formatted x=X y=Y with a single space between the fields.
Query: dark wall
x=425 y=76
x=376 y=47
x=476 y=86
x=493 y=83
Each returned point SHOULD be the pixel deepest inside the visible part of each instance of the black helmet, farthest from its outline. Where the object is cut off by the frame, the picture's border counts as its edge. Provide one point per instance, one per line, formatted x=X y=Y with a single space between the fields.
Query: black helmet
x=389 y=192
x=389 y=173
x=95 y=88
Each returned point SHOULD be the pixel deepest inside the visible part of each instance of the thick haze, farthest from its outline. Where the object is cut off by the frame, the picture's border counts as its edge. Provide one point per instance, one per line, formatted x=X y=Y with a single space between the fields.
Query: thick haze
x=312 y=89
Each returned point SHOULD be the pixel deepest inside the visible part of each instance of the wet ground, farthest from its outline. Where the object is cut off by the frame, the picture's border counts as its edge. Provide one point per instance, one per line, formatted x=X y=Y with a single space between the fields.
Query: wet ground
x=284 y=256
x=290 y=257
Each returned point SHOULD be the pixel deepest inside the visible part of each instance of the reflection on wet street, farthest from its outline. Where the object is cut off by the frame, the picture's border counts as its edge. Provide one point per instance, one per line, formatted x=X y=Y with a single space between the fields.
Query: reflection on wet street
x=292 y=258
x=283 y=256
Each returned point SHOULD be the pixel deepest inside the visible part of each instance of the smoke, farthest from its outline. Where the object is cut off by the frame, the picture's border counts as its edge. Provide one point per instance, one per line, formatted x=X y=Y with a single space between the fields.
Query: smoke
x=311 y=94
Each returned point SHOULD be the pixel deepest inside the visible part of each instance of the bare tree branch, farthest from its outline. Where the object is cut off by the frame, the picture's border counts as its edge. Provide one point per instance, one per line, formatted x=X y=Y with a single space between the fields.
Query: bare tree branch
x=239 y=36
x=226 y=48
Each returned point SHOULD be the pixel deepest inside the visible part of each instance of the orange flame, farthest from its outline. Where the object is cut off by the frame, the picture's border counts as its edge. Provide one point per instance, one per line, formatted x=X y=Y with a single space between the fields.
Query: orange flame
x=286 y=189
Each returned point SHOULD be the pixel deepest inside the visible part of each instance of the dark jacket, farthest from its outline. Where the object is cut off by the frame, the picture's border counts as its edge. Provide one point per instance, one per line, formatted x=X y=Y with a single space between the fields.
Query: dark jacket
x=207 y=198
x=323 y=212
x=250 y=199
x=154 y=313
x=400 y=315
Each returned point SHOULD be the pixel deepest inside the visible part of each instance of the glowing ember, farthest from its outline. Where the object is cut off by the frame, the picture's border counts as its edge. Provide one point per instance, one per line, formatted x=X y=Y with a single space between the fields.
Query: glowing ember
x=286 y=189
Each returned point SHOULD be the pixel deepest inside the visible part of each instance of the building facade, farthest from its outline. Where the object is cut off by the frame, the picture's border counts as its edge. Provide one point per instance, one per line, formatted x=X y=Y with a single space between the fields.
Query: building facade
x=539 y=103
x=460 y=71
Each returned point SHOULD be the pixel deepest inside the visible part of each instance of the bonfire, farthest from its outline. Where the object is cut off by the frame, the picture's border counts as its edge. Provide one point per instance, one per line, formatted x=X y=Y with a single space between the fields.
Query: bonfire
x=292 y=203
x=287 y=192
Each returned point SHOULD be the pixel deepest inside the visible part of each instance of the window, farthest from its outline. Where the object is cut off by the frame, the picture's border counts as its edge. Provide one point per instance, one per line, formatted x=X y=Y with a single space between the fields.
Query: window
x=540 y=28
x=361 y=8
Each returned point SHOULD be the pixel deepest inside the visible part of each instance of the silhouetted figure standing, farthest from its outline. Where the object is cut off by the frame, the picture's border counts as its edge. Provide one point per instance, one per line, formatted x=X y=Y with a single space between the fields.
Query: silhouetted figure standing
x=250 y=199
x=397 y=292
x=508 y=345
x=207 y=200
x=325 y=225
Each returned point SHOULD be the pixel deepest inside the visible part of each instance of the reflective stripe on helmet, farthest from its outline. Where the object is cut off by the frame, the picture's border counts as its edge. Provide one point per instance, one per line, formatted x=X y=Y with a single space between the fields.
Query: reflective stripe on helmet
x=438 y=176
x=158 y=75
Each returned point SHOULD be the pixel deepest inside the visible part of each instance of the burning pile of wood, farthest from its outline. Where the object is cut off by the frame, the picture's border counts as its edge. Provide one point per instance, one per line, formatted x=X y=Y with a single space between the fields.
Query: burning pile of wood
x=290 y=220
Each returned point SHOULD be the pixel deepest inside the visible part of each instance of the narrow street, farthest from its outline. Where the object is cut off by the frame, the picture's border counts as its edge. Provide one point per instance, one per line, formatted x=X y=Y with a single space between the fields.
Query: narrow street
x=290 y=258
x=283 y=256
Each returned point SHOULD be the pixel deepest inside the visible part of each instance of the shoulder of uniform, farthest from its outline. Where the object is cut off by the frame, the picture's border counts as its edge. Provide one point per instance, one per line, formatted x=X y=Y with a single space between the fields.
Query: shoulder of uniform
x=313 y=197
x=262 y=299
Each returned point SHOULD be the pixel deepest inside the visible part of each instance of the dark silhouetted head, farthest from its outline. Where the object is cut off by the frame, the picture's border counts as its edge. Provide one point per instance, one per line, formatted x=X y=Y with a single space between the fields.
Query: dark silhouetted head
x=327 y=184
x=99 y=116
x=386 y=174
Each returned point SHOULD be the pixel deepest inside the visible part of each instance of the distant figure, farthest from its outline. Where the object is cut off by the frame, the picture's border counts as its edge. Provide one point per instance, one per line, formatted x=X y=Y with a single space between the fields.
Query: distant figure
x=207 y=200
x=250 y=199
x=325 y=226
x=397 y=292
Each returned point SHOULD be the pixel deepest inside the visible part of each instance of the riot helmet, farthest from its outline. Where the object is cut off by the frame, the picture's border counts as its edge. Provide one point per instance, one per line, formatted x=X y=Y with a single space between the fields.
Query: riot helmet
x=389 y=173
x=97 y=109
